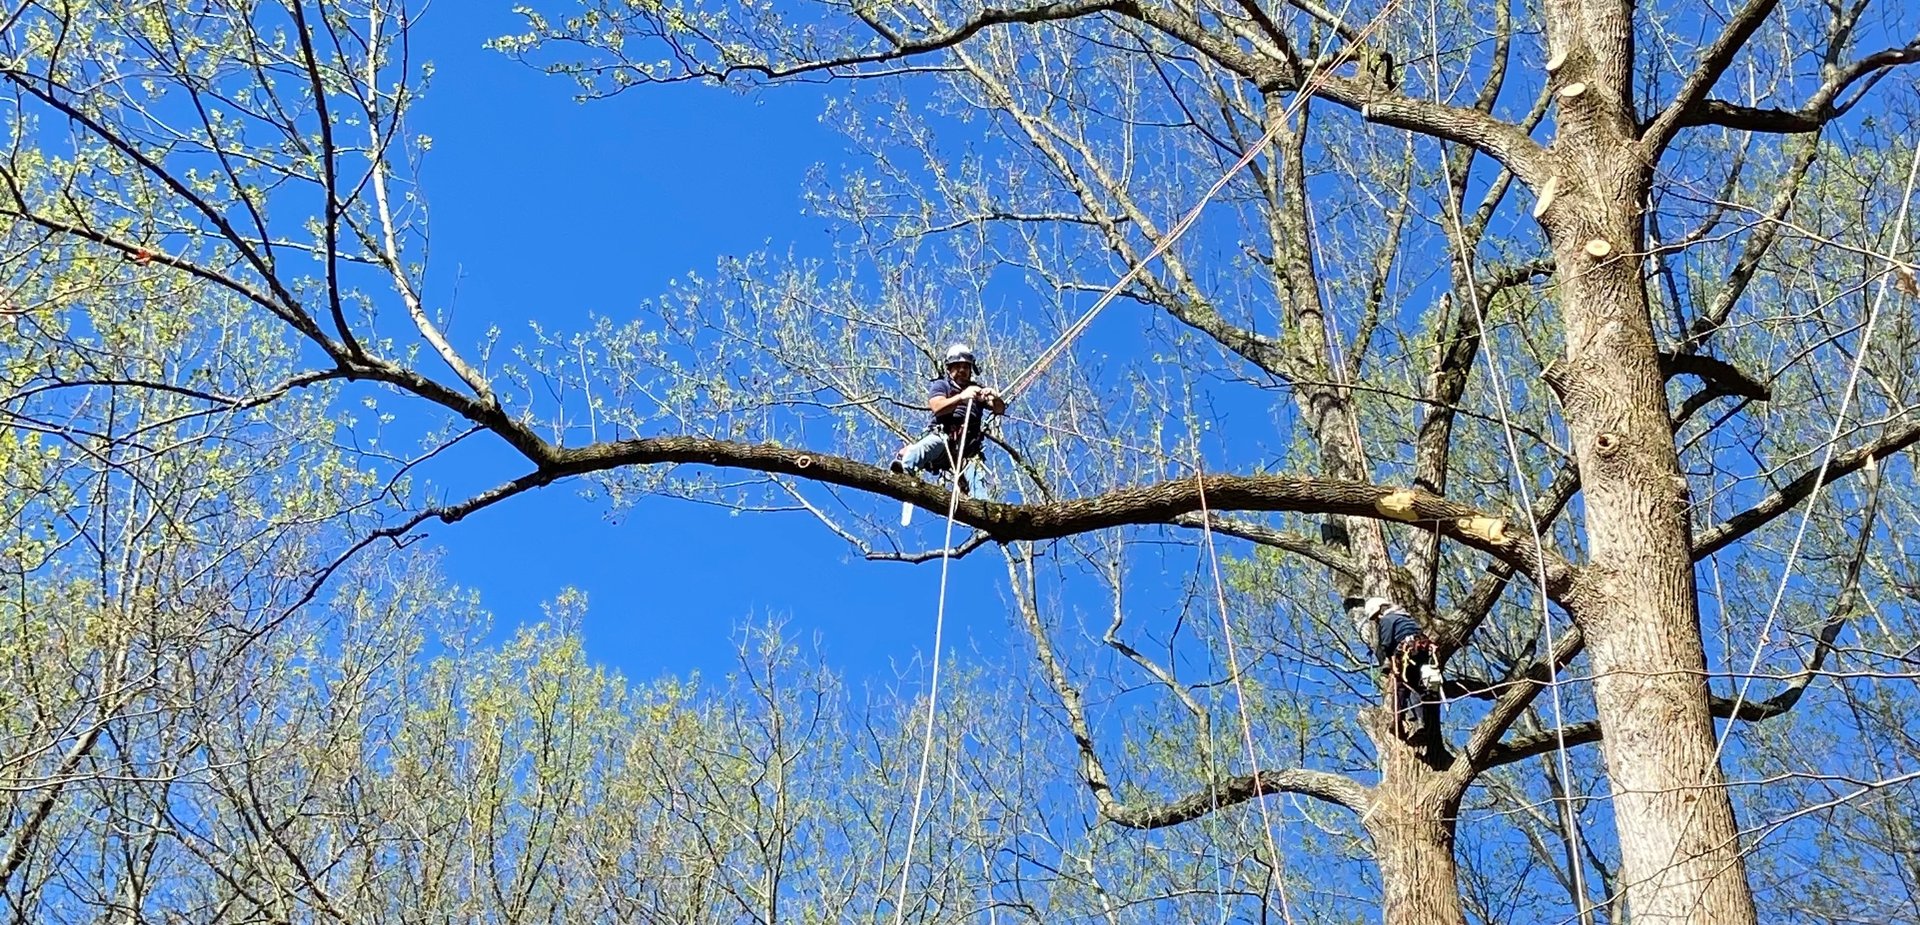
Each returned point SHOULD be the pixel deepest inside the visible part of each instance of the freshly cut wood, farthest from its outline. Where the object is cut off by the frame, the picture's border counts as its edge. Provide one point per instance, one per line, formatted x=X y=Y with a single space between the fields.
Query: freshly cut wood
x=1548 y=191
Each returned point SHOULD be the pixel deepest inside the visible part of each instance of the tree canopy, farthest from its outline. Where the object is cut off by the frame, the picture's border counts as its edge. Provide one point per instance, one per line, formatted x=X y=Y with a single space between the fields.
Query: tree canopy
x=1583 y=330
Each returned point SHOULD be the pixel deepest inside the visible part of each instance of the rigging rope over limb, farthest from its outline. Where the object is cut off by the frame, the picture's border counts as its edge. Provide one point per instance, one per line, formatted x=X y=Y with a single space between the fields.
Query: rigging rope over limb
x=1032 y=373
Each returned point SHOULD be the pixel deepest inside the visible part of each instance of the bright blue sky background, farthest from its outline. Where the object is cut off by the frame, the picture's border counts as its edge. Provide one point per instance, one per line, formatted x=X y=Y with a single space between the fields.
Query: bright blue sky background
x=551 y=209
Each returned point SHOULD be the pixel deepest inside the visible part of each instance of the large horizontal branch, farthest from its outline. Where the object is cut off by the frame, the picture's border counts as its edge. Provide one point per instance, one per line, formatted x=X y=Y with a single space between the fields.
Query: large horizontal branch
x=1369 y=95
x=1321 y=785
x=907 y=48
x=1734 y=528
x=1137 y=505
x=1586 y=733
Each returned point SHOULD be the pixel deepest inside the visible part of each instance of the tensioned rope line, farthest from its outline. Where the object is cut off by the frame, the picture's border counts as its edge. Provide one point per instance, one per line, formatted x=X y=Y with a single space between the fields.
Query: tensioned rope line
x=1314 y=80
x=1274 y=863
x=1032 y=373
x=1833 y=440
x=1547 y=638
x=956 y=456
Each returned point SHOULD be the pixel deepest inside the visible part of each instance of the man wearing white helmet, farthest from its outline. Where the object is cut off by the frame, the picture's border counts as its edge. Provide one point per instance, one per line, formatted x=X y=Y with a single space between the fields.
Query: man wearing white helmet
x=959 y=407
x=1406 y=657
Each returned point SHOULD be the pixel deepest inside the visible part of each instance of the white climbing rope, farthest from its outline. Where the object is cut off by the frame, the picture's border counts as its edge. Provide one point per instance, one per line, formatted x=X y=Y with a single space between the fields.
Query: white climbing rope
x=1311 y=85
x=1826 y=457
x=1275 y=863
x=1032 y=373
x=956 y=457
x=1567 y=814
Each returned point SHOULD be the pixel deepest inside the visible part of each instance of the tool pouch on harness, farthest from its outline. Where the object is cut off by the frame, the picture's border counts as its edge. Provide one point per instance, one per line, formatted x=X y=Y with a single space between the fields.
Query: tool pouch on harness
x=1411 y=672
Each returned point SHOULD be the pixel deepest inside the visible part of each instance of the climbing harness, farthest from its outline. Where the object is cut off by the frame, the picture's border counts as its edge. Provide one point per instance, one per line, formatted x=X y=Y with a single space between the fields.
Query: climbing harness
x=1414 y=683
x=964 y=448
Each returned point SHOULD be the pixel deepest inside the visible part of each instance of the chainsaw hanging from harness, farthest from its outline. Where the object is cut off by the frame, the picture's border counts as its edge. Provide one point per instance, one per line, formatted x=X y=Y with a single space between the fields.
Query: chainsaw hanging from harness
x=1410 y=665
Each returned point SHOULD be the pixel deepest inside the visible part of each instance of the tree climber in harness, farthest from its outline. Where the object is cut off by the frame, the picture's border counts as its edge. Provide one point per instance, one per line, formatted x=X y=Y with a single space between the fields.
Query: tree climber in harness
x=1408 y=660
x=959 y=407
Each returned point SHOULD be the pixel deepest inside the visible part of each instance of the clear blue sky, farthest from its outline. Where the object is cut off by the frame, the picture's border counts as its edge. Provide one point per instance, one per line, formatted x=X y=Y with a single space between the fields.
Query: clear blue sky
x=551 y=210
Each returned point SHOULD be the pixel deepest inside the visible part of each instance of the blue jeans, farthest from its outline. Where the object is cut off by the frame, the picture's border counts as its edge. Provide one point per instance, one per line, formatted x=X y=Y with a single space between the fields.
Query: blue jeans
x=930 y=453
x=934 y=453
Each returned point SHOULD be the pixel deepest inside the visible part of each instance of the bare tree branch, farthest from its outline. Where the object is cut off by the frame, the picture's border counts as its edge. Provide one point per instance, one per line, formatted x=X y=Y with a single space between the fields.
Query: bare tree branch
x=1313 y=548
x=1512 y=703
x=1713 y=63
x=1819 y=109
x=1332 y=788
x=1731 y=530
x=1320 y=785
x=1148 y=504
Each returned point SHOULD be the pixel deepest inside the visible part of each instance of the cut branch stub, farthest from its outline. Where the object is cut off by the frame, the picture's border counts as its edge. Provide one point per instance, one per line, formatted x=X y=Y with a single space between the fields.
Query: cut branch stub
x=1549 y=191
x=1399 y=505
x=1489 y=529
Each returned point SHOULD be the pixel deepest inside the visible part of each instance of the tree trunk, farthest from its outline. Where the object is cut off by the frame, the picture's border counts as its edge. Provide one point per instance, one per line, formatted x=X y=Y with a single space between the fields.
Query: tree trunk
x=1680 y=858
x=1411 y=823
x=1679 y=846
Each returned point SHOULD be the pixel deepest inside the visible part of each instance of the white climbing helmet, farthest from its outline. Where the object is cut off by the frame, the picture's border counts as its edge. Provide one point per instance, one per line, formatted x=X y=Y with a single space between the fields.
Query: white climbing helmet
x=960 y=353
x=1370 y=607
x=1364 y=612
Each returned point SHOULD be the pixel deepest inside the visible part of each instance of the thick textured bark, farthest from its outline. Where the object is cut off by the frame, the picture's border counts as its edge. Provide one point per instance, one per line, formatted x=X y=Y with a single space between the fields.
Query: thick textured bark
x=1680 y=854
x=1636 y=602
x=1412 y=823
x=1411 y=817
x=1419 y=883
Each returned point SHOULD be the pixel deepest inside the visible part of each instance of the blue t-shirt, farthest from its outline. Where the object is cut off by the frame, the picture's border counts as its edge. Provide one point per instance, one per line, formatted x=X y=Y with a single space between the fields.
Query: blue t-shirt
x=1395 y=628
x=951 y=419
